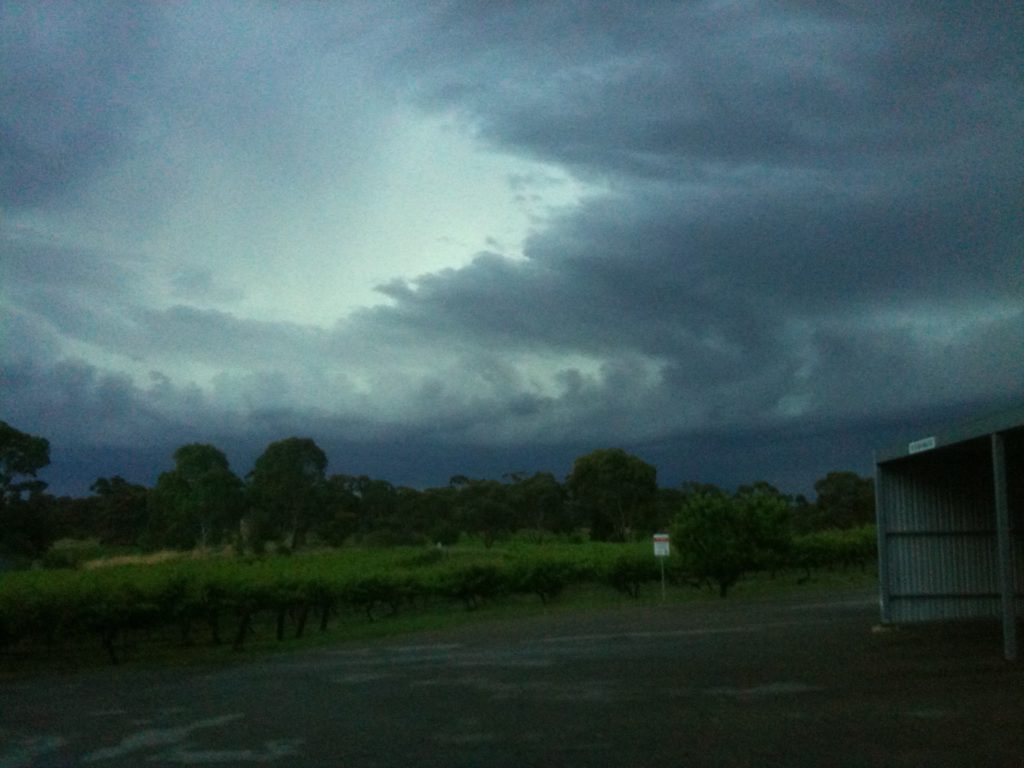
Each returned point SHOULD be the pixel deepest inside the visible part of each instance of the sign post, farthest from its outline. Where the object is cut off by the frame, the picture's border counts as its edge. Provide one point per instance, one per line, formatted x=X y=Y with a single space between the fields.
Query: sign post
x=661 y=551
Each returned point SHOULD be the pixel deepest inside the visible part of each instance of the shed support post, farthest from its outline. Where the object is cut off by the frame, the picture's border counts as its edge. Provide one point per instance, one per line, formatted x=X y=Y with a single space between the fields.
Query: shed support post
x=881 y=527
x=1007 y=588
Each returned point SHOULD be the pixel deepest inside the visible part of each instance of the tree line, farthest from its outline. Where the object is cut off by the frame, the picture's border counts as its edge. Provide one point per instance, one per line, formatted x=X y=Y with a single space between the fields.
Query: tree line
x=289 y=501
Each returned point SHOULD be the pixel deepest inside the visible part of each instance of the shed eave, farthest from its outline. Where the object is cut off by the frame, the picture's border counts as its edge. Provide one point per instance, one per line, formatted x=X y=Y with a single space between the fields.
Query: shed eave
x=991 y=424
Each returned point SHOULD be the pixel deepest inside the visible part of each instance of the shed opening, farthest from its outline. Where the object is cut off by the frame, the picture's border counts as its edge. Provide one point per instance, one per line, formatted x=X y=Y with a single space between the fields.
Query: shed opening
x=950 y=512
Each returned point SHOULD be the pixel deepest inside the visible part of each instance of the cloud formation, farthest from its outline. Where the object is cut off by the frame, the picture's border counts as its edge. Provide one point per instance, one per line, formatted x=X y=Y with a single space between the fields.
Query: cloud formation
x=681 y=228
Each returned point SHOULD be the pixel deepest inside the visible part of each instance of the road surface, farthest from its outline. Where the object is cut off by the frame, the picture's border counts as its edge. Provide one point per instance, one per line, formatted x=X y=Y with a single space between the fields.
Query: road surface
x=790 y=682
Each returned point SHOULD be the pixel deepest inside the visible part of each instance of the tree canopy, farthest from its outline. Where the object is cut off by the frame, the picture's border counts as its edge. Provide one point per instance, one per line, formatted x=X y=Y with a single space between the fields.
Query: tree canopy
x=288 y=487
x=199 y=500
x=609 y=495
x=23 y=530
x=21 y=456
x=615 y=491
x=118 y=510
x=845 y=499
x=721 y=536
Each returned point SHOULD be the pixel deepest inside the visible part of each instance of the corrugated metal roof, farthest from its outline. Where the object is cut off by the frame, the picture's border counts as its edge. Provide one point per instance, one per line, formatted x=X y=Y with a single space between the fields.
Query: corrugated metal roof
x=1003 y=421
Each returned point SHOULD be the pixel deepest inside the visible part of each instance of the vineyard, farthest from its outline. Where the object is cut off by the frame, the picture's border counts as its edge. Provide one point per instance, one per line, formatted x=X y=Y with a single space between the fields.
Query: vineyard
x=225 y=601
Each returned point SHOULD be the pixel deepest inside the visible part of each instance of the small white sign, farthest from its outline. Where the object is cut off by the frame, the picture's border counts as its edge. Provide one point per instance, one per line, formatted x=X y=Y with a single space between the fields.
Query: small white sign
x=661 y=546
x=924 y=444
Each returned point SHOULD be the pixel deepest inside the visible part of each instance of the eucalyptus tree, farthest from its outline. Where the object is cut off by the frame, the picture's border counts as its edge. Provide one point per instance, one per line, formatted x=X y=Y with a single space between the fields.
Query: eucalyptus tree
x=118 y=510
x=288 y=488
x=24 y=529
x=845 y=500
x=482 y=507
x=198 y=501
x=539 y=502
x=21 y=456
x=616 y=491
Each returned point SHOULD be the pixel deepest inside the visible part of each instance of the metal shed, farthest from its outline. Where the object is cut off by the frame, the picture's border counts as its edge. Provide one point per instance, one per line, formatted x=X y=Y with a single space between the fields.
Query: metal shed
x=950 y=509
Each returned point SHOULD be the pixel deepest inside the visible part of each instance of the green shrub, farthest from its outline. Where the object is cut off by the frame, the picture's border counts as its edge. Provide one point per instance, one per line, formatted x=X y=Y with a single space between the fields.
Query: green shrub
x=629 y=572
x=544 y=578
x=71 y=553
x=835 y=548
x=370 y=593
x=473 y=584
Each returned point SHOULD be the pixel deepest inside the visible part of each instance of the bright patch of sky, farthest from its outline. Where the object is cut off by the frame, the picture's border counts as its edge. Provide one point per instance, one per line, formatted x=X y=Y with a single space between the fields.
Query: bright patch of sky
x=221 y=233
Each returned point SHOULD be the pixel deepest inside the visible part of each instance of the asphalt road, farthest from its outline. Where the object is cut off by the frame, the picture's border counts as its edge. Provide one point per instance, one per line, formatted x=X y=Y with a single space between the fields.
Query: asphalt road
x=785 y=683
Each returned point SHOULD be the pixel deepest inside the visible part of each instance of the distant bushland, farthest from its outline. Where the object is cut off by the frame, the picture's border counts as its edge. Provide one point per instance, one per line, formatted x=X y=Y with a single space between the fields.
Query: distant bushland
x=288 y=502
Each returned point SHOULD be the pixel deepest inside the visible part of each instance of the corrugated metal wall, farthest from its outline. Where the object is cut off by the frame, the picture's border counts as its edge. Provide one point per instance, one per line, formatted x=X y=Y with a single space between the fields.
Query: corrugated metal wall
x=937 y=536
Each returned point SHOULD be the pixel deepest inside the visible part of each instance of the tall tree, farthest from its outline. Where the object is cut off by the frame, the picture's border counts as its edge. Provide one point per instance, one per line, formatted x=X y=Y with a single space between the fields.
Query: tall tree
x=845 y=500
x=199 y=500
x=341 y=512
x=24 y=529
x=21 y=456
x=435 y=515
x=287 y=484
x=118 y=510
x=616 y=491
x=483 y=508
x=669 y=502
x=539 y=502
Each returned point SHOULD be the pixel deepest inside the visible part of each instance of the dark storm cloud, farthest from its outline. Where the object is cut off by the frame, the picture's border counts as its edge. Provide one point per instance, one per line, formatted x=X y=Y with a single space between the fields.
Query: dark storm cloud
x=808 y=156
x=785 y=185
x=71 y=84
x=87 y=86
x=83 y=405
x=79 y=402
x=74 y=292
x=106 y=302
x=862 y=371
x=662 y=276
x=674 y=89
x=806 y=230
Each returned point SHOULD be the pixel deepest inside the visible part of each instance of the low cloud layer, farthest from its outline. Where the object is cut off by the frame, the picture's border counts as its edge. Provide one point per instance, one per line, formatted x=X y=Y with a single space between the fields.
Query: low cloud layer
x=788 y=225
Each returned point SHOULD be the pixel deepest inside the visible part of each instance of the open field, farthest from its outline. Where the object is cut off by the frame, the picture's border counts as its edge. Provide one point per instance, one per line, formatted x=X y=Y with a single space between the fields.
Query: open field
x=749 y=681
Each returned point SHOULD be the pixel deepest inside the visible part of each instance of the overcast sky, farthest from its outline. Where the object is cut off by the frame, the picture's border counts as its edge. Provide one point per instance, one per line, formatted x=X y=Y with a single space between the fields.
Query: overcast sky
x=742 y=240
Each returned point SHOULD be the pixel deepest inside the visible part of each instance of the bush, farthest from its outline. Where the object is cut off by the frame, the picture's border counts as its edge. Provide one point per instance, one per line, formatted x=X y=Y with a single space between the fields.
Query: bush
x=473 y=584
x=373 y=592
x=628 y=572
x=71 y=553
x=714 y=539
x=721 y=537
x=545 y=578
x=835 y=548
